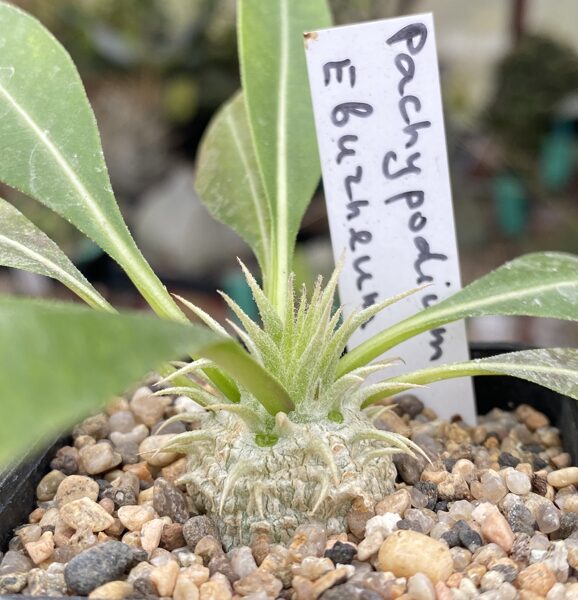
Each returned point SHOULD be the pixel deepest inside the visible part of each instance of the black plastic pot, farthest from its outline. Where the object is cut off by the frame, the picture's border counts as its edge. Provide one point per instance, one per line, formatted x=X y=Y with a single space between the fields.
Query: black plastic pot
x=18 y=485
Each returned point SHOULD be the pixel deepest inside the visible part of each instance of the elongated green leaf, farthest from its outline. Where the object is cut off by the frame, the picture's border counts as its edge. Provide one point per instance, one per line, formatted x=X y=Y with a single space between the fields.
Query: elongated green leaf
x=281 y=119
x=50 y=148
x=58 y=361
x=554 y=368
x=24 y=246
x=229 y=182
x=536 y=285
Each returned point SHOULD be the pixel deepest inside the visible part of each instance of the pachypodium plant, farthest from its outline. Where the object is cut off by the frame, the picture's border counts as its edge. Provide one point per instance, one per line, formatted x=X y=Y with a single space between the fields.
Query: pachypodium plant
x=284 y=433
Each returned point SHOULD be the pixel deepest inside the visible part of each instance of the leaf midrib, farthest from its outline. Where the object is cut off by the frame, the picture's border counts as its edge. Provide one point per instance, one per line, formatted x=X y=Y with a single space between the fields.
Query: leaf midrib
x=91 y=203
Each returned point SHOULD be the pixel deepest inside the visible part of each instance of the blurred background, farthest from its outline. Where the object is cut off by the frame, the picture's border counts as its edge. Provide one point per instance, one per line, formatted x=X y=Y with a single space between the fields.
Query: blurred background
x=156 y=70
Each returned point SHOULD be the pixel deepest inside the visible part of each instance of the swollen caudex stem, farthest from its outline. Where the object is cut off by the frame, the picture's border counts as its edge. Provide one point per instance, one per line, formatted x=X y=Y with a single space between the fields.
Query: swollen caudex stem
x=313 y=473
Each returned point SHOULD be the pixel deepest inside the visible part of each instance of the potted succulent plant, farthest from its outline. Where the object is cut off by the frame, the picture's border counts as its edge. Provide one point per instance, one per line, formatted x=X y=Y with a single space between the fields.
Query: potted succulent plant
x=287 y=436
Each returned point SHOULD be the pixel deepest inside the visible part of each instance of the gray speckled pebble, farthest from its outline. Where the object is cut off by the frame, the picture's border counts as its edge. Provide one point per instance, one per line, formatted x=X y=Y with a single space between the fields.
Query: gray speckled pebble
x=97 y=566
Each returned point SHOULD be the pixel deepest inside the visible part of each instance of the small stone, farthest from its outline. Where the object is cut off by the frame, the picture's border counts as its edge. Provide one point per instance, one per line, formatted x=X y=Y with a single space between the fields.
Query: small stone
x=148 y=409
x=508 y=460
x=419 y=587
x=75 y=487
x=29 y=533
x=335 y=577
x=12 y=583
x=548 y=517
x=151 y=450
x=95 y=426
x=197 y=528
x=121 y=421
x=520 y=519
x=220 y=564
x=258 y=581
x=172 y=536
x=208 y=548
x=197 y=574
x=563 y=477
x=46 y=583
x=539 y=485
x=85 y=514
x=242 y=561
x=169 y=501
x=175 y=470
x=99 y=458
x=495 y=528
x=409 y=405
x=313 y=568
x=113 y=590
x=46 y=489
x=568 y=525
x=370 y=545
x=185 y=589
x=42 y=549
x=390 y=421
x=97 y=566
x=150 y=534
x=15 y=562
x=164 y=578
x=468 y=538
x=357 y=519
x=406 y=553
x=398 y=502
x=127 y=444
x=493 y=487
x=384 y=524
x=66 y=460
x=278 y=563
x=409 y=468
x=215 y=590
x=518 y=483
x=308 y=540
x=341 y=554
x=537 y=578
x=134 y=517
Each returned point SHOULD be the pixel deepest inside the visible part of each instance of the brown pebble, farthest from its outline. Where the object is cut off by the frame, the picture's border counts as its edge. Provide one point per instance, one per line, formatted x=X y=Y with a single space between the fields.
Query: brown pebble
x=398 y=503
x=172 y=537
x=537 y=578
x=141 y=470
x=208 y=548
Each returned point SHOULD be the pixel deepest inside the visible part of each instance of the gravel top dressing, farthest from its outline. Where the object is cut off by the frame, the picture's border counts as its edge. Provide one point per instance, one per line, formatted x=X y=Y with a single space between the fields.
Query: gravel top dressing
x=495 y=515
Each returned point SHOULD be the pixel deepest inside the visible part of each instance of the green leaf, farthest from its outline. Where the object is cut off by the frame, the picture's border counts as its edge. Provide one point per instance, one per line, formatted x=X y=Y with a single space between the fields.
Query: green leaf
x=24 y=246
x=277 y=96
x=554 y=368
x=58 y=361
x=535 y=285
x=228 y=179
x=50 y=147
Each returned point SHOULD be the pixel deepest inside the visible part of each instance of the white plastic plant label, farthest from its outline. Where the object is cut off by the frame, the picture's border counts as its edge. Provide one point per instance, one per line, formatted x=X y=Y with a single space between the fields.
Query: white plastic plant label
x=379 y=120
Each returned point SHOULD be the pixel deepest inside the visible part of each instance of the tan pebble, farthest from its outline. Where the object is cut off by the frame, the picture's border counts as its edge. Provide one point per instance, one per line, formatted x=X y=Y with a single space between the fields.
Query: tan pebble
x=369 y=545
x=398 y=502
x=528 y=595
x=278 y=563
x=335 y=577
x=132 y=539
x=151 y=450
x=443 y=592
x=260 y=546
x=563 y=477
x=357 y=519
x=198 y=574
x=113 y=590
x=116 y=405
x=62 y=533
x=141 y=470
x=406 y=553
x=475 y=573
x=185 y=589
x=148 y=409
x=496 y=529
x=562 y=460
x=571 y=504
x=48 y=485
x=42 y=549
x=134 y=517
x=116 y=529
x=312 y=567
x=164 y=578
x=390 y=421
x=434 y=472
x=454 y=580
x=537 y=578
x=258 y=581
x=36 y=515
x=113 y=475
x=29 y=533
x=215 y=590
x=303 y=588
x=146 y=496
x=465 y=468
x=86 y=514
x=84 y=441
x=75 y=487
x=150 y=534
x=175 y=470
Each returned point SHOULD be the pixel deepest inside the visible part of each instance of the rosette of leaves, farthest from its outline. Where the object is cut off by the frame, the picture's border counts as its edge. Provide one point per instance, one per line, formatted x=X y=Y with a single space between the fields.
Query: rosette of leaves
x=286 y=431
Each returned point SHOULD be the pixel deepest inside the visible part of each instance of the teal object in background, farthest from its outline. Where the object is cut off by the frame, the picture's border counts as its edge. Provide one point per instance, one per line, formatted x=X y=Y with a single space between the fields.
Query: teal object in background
x=558 y=160
x=511 y=204
x=235 y=286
